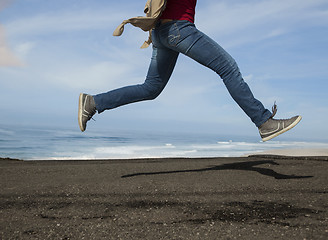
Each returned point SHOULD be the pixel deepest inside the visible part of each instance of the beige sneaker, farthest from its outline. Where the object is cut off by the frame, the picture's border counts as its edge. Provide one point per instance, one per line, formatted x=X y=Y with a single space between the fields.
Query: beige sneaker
x=274 y=127
x=87 y=108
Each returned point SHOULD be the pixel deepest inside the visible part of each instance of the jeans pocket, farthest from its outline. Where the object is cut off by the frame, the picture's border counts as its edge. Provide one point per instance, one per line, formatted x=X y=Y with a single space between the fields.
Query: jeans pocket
x=174 y=36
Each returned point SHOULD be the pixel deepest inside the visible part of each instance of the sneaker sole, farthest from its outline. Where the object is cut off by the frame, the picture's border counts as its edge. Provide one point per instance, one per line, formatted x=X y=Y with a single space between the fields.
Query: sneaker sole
x=283 y=130
x=80 y=112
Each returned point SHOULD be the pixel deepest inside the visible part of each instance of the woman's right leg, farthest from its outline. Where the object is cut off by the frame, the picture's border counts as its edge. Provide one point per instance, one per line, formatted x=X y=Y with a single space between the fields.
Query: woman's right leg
x=161 y=67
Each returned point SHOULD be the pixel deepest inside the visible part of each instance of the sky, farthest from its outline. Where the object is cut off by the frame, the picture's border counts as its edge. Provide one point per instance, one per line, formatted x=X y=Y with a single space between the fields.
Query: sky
x=50 y=51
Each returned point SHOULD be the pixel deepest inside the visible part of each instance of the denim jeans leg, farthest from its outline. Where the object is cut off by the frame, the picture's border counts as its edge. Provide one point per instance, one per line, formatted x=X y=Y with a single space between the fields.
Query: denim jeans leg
x=161 y=67
x=198 y=46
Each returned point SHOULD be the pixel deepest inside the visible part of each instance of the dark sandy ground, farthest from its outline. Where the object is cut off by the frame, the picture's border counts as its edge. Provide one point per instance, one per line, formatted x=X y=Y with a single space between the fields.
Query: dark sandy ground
x=256 y=197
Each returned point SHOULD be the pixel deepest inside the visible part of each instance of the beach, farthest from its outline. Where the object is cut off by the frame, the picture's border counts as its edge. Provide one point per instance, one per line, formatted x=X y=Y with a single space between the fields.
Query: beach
x=255 y=197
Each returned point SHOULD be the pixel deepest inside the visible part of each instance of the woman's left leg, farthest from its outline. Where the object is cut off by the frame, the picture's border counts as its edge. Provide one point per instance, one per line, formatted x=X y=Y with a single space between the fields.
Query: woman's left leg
x=198 y=46
x=161 y=67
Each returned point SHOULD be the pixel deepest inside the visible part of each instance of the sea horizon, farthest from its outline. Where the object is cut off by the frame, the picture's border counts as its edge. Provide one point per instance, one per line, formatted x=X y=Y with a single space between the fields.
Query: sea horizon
x=46 y=143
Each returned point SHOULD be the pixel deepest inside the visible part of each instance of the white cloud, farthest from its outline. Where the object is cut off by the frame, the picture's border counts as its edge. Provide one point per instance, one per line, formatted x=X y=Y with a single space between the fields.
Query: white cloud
x=100 y=75
x=63 y=21
x=24 y=49
x=258 y=20
x=7 y=57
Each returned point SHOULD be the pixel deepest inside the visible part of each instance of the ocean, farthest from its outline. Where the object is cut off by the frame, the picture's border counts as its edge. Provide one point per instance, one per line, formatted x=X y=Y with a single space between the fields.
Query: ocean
x=44 y=143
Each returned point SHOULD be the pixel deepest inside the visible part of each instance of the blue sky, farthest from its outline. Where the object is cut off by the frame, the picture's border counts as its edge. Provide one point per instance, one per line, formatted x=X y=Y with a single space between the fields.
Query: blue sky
x=50 y=51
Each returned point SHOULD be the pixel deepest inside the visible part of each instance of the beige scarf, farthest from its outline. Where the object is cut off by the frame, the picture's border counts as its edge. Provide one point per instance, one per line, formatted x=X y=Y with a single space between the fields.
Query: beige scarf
x=153 y=11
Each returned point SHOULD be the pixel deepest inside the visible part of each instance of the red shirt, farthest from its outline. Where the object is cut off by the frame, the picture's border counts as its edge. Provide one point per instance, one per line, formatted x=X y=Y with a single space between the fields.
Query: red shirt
x=180 y=10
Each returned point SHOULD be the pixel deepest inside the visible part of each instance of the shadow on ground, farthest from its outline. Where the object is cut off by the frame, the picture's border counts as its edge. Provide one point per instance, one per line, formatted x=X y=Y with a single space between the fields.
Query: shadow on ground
x=245 y=166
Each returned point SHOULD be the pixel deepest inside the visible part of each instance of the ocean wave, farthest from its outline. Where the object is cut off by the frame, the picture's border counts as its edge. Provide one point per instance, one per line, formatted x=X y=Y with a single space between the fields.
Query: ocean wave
x=33 y=144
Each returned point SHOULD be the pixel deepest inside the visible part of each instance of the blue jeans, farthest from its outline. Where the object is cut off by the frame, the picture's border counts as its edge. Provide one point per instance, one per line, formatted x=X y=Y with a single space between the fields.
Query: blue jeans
x=170 y=39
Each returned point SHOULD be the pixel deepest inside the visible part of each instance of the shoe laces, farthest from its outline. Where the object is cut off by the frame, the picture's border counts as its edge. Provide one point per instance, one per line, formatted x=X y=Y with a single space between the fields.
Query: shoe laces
x=90 y=115
x=93 y=113
x=274 y=109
